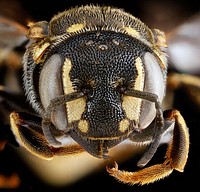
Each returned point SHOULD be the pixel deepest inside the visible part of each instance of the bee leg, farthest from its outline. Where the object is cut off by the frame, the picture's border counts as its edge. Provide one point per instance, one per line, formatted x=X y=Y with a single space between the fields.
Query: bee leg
x=159 y=124
x=146 y=135
x=27 y=130
x=151 y=149
x=28 y=133
x=175 y=157
x=47 y=127
x=9 y=101
x=46 y=119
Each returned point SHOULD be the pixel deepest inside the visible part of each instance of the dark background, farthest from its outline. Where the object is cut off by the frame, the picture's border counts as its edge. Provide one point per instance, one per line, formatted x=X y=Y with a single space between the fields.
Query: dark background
x=165 y=15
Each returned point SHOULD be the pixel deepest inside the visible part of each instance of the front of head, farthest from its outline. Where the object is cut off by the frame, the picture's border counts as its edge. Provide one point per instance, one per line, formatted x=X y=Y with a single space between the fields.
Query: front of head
x=102 y=58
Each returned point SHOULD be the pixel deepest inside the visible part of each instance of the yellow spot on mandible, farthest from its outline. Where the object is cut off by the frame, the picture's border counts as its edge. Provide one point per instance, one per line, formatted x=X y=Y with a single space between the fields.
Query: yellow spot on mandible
x=75 y=27
x=83 y=126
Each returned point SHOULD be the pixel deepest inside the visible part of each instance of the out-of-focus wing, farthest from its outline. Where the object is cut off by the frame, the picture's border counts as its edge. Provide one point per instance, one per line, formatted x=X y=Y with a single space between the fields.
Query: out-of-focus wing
x=184 y=46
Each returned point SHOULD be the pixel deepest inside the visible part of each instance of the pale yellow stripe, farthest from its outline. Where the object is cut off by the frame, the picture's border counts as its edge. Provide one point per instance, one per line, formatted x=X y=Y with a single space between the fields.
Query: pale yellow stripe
x=76 y=107
x=132 y=105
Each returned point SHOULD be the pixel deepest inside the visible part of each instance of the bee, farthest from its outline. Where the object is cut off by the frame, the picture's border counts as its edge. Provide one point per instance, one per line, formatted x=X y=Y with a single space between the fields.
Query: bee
x=96 y=78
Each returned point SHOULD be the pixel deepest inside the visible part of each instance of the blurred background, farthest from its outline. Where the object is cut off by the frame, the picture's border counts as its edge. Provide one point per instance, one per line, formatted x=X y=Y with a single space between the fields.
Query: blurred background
x=19 y=171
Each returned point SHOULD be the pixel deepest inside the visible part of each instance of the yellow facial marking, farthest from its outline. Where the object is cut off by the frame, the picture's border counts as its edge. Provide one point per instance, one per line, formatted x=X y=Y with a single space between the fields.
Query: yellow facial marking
x=133 y=32
x=67 y=84
x=132 y=105
x=39 y=51
x=123 y=125
x=76 y=107
x=139 y=82
x=83 y=126
x=75 y=27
